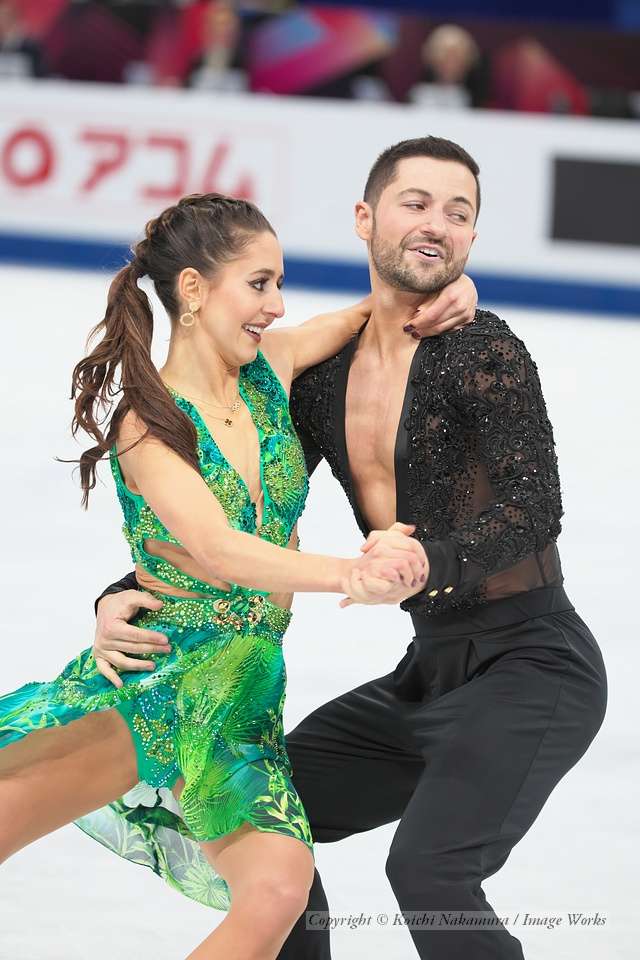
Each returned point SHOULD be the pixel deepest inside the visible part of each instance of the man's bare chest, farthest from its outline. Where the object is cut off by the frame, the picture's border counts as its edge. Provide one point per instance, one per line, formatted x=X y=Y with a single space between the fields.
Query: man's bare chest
x=373 y=408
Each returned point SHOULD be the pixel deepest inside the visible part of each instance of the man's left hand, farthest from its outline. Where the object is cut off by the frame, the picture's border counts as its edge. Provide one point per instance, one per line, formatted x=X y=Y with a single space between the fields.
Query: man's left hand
x=454 y=308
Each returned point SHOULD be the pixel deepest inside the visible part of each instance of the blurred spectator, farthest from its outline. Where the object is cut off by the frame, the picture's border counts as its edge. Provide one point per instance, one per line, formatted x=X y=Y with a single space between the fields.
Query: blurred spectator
x=323 y=51
x=88 y=42
x=141 y=18
x=138 y=14
x=262 y=8
x=20 y=55
x=608 y=102
x=219 y=66
x=529 y=78
x=456 y=74
x=364 y=83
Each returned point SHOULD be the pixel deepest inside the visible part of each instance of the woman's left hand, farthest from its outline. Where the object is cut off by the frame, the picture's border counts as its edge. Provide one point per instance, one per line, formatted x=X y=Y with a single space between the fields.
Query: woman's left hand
x=454 y=308
x=368 y=586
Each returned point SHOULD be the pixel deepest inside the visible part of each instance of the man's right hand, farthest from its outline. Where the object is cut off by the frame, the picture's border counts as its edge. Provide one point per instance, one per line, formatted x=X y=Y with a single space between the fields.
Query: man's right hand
x=116 y=637
x=394 y=567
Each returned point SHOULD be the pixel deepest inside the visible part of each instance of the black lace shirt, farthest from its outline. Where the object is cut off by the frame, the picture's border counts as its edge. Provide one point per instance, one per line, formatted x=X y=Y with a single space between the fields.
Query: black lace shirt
x=476 y=469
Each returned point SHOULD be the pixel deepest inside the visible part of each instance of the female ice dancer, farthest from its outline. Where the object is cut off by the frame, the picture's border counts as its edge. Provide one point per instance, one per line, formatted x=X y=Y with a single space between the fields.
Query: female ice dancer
x=183 y=767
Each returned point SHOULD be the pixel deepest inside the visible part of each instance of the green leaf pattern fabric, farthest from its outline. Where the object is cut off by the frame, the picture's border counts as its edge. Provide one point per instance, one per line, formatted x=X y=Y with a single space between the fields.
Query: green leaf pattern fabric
x=211 y=711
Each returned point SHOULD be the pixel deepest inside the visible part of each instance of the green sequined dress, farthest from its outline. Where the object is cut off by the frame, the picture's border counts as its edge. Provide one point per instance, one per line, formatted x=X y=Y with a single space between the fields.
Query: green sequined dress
x=211 y=712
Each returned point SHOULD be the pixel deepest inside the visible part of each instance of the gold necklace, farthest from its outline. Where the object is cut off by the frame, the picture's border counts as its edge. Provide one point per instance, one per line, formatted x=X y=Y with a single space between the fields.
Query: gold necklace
x=233 y=407
x=226 y=420
x=218 y=406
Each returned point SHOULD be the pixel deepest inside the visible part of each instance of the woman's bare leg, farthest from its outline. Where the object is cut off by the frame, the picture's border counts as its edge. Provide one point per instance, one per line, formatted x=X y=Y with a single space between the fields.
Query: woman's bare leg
x=56 y=775
x=51 y=777
x=269 y=876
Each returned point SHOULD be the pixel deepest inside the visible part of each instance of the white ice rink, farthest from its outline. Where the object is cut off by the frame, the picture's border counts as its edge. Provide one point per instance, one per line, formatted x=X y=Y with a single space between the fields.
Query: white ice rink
x=66 y=898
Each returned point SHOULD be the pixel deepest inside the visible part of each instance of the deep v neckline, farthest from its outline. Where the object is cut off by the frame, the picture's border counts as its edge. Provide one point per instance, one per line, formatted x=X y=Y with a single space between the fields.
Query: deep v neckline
x=224 y=461
x=401 y=446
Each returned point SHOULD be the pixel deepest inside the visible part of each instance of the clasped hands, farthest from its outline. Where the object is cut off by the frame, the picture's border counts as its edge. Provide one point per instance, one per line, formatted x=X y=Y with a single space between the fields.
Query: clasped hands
x=393 y=566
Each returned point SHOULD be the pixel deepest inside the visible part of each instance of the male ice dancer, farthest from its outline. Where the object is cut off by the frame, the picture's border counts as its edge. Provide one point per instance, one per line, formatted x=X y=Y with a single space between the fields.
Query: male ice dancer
x=503 y=687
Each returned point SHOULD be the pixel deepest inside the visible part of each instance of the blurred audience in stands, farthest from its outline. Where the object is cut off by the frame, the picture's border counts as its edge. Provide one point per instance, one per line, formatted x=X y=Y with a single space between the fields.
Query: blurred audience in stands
x=219 y=65
x=456 y=72
x=363 y=83
x=89 y=42
x=528 y=78
x=209 y=45
x=20 y=55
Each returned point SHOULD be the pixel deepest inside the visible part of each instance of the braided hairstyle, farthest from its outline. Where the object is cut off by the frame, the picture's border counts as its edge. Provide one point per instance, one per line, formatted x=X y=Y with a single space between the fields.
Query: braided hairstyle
x=203 y=231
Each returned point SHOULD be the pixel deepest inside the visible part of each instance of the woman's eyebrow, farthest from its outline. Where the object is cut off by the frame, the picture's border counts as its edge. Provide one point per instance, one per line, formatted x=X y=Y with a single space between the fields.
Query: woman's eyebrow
x=266 y=272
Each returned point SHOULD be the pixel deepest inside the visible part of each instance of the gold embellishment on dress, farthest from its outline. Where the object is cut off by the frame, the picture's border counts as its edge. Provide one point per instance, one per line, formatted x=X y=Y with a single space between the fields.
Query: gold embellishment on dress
x=251 y=607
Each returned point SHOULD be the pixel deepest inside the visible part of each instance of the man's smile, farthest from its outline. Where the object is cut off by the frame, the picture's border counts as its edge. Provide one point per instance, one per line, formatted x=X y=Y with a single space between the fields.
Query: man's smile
x=427 y=253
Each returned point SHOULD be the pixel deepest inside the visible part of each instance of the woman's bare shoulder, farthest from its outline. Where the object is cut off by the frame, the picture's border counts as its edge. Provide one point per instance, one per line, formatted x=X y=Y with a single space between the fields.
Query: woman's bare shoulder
x=131 y=429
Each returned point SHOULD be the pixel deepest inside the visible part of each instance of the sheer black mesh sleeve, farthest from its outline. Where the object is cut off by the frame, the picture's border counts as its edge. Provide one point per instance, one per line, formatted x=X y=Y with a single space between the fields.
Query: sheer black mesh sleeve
x=500 y=400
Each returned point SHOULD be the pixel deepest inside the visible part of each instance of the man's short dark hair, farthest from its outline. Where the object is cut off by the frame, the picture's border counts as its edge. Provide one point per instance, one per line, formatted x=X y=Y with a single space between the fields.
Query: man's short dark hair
x=383 y=171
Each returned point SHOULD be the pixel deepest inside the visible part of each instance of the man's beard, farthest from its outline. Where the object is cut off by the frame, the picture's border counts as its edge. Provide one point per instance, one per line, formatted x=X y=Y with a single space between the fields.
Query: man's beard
x=392 y=268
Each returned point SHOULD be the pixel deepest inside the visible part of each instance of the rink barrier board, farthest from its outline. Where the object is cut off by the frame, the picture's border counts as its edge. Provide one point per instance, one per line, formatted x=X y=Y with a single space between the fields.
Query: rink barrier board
x=96 y=161
x=339 y=276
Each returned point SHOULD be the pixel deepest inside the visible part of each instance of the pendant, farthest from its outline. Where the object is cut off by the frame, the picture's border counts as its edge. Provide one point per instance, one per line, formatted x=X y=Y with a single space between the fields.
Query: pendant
x=228 y=422
x=235 y=406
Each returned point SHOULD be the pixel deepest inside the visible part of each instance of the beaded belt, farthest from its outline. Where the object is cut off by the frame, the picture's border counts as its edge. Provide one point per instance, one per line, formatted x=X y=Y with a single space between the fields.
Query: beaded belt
x=231 y=612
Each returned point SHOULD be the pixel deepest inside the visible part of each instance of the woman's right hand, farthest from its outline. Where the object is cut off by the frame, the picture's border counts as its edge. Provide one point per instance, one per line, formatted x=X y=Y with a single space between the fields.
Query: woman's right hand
x=116 y=637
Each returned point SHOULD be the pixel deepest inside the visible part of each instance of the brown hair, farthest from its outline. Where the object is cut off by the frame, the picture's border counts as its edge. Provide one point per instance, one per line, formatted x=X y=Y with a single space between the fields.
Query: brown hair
x=203 y=231
x=383 y=171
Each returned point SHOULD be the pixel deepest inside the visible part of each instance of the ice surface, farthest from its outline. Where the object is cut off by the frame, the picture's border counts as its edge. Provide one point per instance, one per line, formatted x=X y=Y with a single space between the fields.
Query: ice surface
x=66 y=898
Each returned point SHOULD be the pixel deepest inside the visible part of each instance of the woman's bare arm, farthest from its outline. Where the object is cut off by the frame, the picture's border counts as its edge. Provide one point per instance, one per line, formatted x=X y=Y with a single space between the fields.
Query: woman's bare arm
x=291 y=350
x=183 y=502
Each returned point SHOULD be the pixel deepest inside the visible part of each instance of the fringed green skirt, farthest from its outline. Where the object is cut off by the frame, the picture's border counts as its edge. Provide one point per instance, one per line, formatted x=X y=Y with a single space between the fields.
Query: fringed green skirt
x=211 y=712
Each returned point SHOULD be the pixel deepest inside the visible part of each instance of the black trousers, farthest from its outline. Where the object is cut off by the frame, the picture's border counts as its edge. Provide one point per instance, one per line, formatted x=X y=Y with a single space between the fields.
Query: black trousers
x=462 y=743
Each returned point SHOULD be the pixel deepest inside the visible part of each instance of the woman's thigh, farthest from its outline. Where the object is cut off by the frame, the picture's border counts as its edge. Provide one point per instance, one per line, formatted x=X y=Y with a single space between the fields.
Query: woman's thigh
x=53 y=776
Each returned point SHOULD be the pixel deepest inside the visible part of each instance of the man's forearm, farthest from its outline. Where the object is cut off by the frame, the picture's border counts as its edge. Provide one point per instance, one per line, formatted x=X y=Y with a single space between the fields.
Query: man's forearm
x=128 y=582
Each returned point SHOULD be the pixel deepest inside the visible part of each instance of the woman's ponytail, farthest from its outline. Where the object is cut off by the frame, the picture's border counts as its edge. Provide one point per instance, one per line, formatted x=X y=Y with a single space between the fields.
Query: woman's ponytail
x=121 y=364
x=202 y=231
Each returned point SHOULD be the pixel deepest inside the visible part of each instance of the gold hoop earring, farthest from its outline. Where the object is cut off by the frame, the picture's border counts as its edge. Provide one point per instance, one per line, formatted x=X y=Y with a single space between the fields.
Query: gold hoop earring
x=189 y=323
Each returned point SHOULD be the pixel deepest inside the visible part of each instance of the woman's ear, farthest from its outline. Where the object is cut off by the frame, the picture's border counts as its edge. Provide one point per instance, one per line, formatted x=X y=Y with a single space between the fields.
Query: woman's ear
x=189 y=287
